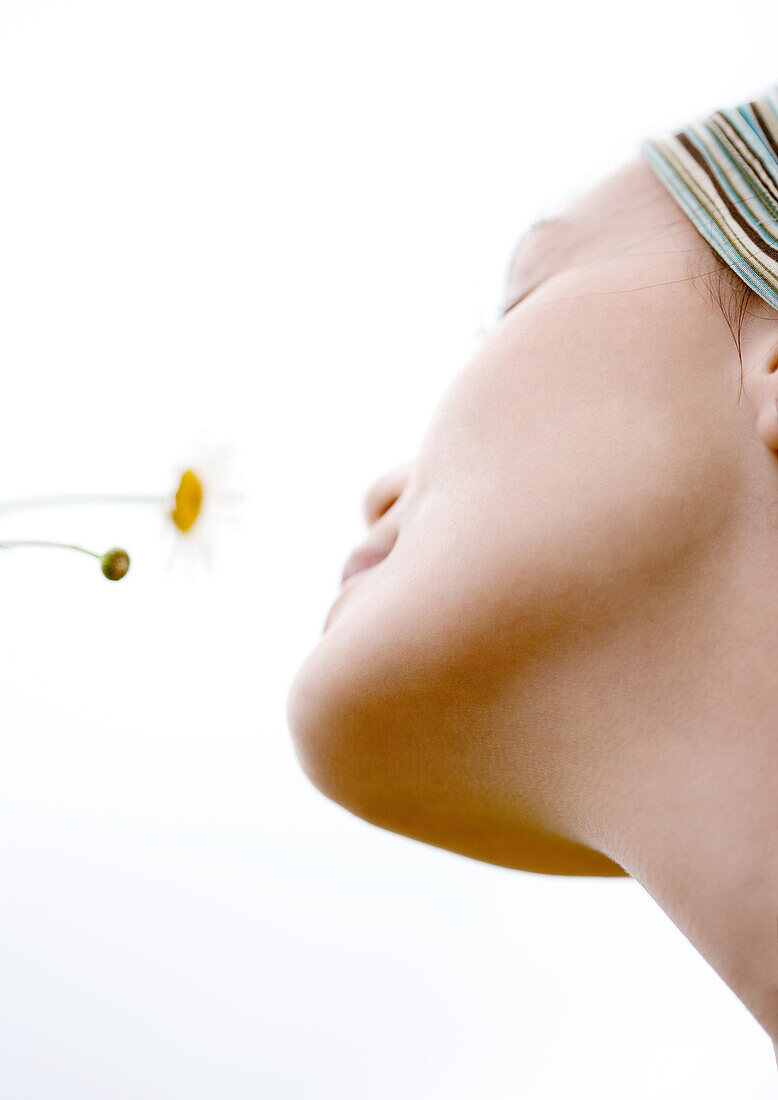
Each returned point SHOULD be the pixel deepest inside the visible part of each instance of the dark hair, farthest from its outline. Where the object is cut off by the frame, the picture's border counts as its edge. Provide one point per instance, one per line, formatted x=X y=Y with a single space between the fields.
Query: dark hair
x=733 y=297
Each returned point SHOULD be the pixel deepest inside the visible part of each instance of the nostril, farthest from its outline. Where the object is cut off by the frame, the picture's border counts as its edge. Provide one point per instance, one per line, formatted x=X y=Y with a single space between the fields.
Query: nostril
x=374 y=509
x=388 y=503
x=385 y=493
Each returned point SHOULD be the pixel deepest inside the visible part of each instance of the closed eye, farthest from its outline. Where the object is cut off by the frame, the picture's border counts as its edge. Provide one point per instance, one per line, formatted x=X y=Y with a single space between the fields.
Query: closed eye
x=520 y=299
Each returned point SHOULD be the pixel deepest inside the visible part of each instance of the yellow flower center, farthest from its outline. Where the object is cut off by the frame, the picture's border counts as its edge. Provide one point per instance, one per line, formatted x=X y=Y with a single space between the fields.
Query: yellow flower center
x=189 y=498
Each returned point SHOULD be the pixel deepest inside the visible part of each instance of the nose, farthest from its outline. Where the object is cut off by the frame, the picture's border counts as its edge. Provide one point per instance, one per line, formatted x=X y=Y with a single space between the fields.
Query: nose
x=384 y=492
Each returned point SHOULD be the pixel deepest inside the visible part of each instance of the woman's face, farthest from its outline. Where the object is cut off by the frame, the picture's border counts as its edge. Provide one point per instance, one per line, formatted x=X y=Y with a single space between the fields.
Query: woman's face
x=477 y=688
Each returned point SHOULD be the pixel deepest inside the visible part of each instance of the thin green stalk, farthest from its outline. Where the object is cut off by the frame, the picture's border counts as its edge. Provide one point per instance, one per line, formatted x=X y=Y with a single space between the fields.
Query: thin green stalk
x=59 y=545
x=78 y=498
x=114 y=563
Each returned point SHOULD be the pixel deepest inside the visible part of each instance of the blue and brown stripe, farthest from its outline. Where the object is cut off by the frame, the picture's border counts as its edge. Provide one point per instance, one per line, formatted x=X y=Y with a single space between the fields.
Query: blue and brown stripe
x=723 y=173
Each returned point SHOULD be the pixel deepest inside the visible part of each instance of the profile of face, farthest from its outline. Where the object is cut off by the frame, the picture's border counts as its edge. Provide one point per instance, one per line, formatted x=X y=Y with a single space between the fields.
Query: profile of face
x=542 y=630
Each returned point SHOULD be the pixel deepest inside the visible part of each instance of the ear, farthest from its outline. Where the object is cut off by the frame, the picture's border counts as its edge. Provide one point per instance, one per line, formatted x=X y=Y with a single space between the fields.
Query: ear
x=765 y=386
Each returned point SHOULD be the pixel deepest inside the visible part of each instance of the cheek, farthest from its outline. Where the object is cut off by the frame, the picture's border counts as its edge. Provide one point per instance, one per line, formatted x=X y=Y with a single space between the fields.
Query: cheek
x=574 y=469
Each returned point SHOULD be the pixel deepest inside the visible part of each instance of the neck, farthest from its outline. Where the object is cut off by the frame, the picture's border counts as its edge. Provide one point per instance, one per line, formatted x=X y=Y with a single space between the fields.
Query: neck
x=693 y=812
x=707 y=852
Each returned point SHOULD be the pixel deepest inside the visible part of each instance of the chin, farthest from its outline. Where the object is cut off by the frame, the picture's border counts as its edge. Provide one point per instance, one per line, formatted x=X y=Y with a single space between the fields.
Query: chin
x=357 y=734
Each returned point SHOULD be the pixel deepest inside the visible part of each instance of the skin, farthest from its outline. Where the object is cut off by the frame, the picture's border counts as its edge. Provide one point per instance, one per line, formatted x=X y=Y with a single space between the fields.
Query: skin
x=566 y=664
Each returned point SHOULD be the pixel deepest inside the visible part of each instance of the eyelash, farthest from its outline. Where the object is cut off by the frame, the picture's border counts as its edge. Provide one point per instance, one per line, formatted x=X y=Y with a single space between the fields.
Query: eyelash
x=520 y=299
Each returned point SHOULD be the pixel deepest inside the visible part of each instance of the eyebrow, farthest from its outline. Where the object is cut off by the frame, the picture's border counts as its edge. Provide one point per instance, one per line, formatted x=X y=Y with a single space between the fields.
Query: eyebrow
x=536 y=226
x=542 y=223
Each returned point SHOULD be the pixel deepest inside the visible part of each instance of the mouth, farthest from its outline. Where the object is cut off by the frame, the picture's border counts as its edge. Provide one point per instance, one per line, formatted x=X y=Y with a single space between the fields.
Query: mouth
x=364 y=557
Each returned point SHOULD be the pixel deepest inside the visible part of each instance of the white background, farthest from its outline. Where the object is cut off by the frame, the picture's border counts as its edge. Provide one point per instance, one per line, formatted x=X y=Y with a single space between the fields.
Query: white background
x=285 y=227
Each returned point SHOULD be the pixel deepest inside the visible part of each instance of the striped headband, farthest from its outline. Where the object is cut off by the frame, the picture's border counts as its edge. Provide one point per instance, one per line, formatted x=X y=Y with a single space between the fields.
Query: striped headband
x=723 y=173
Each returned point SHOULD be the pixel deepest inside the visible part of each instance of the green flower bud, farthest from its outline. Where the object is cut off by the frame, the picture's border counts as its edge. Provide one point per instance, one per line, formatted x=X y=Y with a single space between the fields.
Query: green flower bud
x=115 y=563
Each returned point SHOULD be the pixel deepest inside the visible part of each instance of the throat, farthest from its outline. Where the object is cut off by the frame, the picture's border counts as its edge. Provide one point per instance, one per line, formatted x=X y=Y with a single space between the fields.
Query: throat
x=708 y=855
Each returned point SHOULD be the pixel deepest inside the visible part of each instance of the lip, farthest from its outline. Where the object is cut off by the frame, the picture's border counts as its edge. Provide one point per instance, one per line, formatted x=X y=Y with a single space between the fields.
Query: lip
x=364 y=557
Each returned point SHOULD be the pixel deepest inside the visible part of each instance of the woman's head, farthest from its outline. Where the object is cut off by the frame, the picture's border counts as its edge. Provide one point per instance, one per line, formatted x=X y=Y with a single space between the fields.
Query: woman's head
x=577 y=553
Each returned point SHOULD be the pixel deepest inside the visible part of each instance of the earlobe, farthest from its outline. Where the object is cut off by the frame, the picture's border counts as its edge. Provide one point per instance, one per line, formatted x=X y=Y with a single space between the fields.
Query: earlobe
x=767 y=421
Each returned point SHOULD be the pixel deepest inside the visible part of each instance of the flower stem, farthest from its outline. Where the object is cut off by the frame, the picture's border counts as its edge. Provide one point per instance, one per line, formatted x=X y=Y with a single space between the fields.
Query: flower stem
x=80 y=498
x=59 y=545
